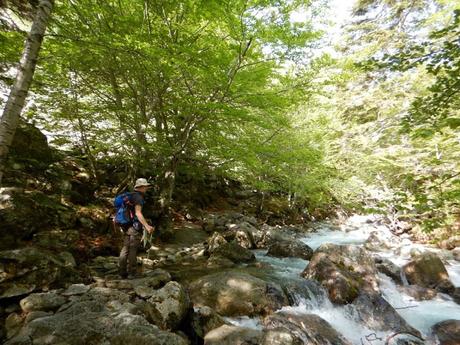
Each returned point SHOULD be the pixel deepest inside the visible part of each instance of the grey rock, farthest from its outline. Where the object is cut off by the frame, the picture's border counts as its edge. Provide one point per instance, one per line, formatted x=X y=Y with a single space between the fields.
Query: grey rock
x=309 y=328
x=233 y=293
x=376 y=313
x=296 y=249
x=76 y=289
x=234 y=252
x=97 y=317
x=215 y=241
x=13 y=324
x=344 y=270
x=427 y=270
x=42 y=301
x=172 y=304
x=204 y=320
x=233 y=335
x=388 y=268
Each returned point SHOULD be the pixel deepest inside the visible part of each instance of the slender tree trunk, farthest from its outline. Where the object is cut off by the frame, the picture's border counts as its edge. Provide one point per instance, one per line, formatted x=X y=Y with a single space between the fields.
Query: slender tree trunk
x=16 y=99
x=167 y=185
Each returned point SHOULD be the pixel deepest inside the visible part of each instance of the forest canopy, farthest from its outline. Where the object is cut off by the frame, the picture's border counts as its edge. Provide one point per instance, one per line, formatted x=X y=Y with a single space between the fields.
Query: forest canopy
x=355 y=111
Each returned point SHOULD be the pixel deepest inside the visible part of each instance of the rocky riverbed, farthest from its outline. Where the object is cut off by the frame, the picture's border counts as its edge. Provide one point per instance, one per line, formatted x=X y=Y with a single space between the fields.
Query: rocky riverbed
x=232 y=280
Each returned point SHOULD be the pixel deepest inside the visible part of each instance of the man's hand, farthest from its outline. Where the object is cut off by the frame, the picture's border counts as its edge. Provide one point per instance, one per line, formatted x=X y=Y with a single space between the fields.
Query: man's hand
x=149 y=228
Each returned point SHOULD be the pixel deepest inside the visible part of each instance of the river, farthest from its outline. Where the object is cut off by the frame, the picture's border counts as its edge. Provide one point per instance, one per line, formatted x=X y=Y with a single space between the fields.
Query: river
x=421 y=315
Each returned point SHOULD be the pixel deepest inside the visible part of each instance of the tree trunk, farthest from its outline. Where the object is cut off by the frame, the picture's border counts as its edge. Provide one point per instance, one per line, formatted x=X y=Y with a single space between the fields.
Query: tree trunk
x=167 y=185
x=16 y=99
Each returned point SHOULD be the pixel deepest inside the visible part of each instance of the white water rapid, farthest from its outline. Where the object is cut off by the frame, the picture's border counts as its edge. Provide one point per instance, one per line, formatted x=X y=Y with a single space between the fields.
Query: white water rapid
x=421 y=315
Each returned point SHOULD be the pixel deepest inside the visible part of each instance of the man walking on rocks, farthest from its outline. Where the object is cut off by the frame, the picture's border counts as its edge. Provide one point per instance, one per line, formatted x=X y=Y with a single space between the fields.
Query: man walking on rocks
x=133 y=230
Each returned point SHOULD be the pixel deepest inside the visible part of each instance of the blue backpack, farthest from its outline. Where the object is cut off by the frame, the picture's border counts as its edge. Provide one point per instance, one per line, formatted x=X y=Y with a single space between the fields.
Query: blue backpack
x=124 y=208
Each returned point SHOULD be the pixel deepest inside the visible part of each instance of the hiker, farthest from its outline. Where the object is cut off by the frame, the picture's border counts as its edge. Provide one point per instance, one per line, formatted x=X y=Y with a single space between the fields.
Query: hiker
x=133 y=228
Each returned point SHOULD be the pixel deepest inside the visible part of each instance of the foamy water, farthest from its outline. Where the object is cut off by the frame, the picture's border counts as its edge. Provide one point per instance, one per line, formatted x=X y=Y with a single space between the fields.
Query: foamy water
x=421 y=315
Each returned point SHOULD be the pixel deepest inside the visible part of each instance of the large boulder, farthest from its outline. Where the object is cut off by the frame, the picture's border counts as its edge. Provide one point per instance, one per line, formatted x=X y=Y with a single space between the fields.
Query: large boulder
x=344 y=270
x=24 y=214
x=269 y=235
x=427 y=270
x=171 y=305
x=447 y=332
x=376 y=313
x=233 y=293
x=294 y=249
x=309 y=328
x=92 y=323
x=243 y=233
x=28 y=269
x=234 y=252
x=233 y=335
x=30 y=148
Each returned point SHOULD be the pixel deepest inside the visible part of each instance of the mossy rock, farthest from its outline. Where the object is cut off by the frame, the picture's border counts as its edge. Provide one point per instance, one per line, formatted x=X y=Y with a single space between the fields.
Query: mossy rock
x=27 y=213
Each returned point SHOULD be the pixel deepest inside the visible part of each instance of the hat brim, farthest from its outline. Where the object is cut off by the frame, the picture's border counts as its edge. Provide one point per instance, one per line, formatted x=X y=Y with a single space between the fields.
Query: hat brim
x=143 y=185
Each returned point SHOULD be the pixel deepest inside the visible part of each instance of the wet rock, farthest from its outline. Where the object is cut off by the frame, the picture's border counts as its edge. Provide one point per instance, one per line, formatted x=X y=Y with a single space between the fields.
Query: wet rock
x=309 y=328
x=376 y=313
x=388 y=268
x=294 y=249
x=344 y=270
x=447 y=332
x=302 y=290
x=233 y=293
x=280 y=336
x=204 y=320
x=419 y=293
x=427 y=270
x=232 y=335
x=172 y=304
x=234 y=252
x=456 y=295
x=42 y=301
x=409 y=340
x=456 y=253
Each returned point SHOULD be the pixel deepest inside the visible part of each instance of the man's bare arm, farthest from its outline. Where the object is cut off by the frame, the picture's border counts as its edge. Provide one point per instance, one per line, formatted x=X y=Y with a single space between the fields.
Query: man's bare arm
x=140 y=216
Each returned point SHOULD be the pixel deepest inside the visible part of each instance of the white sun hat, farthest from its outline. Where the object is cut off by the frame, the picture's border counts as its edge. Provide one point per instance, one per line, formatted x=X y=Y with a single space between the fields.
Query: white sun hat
x=141 y=182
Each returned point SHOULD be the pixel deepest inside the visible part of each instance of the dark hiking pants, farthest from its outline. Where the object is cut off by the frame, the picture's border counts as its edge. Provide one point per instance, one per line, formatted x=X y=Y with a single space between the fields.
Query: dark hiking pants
x=128 y=254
